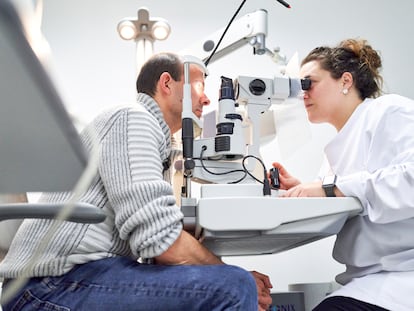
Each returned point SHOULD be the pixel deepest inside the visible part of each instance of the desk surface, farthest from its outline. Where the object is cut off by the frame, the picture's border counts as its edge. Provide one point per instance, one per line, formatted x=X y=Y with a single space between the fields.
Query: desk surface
x=238 y=220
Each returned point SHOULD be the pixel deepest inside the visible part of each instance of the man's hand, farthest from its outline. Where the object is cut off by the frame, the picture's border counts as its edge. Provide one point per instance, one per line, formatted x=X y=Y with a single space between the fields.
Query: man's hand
x=263 y=290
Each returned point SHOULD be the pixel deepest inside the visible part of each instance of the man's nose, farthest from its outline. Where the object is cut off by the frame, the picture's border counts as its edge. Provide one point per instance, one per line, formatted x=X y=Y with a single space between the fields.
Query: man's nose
x=205 y=101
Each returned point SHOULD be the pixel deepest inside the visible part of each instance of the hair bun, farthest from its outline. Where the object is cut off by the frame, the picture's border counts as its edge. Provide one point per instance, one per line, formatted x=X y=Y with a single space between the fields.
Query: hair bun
x=364 y=52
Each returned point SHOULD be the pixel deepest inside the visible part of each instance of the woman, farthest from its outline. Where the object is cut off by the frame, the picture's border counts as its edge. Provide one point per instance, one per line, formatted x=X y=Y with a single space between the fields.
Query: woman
x=371 y=158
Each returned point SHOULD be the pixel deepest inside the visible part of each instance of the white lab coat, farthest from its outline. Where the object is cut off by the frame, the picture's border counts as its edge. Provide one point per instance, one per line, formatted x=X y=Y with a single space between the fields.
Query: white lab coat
x=373 y=157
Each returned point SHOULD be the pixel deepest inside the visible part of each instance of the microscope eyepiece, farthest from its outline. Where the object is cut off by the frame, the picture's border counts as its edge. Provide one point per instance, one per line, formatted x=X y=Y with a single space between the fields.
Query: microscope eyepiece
x=306 y=84
x=226 y=88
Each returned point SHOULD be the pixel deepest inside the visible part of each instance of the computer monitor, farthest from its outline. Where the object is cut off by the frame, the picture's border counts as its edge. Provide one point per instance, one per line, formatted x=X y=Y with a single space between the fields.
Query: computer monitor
x=40 y=149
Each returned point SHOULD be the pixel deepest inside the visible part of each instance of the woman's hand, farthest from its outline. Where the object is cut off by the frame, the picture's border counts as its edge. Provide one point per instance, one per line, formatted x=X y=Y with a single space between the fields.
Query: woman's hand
x=286 y=180
x=294 y=188
x=312 y=189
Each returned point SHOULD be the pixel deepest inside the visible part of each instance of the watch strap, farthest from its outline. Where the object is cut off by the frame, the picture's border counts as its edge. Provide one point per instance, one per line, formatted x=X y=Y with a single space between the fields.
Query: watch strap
x=329 y=190
x=328 y=185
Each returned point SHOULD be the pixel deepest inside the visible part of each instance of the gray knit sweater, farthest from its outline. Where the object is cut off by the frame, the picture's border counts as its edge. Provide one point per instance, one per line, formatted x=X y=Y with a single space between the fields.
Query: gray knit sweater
x=143 y=219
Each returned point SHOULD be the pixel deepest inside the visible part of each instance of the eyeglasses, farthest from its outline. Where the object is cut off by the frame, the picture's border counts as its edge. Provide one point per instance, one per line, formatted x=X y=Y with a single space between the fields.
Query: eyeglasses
x=306 y=84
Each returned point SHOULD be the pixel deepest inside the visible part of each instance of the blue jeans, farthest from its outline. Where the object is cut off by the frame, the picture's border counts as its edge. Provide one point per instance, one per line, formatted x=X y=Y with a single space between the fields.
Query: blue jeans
x=123 y=284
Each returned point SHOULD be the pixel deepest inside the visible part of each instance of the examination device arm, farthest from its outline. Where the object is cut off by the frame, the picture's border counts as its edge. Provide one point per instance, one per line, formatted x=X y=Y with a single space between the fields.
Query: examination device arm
x=250 y=28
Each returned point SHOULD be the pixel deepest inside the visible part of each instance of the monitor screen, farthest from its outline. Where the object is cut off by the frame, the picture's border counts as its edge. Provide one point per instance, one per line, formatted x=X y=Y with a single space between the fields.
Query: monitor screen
x=40 y=149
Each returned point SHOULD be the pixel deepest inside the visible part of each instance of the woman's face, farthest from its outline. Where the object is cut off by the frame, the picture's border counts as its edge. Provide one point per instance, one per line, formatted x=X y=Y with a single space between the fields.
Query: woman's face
x=324 y=95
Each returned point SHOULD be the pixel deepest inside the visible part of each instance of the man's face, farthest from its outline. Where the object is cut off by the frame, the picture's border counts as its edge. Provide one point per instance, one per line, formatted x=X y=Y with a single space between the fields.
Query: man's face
x=198 y=98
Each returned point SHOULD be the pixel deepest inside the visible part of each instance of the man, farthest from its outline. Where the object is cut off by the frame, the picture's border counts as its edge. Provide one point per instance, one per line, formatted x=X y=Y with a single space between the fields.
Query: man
x=94 y=266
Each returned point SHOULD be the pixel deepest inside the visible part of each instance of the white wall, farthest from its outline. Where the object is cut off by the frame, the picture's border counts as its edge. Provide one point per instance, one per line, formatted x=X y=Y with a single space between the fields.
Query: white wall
x=94 y=69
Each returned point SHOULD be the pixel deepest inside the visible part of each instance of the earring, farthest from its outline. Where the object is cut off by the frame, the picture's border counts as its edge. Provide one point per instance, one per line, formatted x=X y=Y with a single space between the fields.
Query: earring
x=345 y=91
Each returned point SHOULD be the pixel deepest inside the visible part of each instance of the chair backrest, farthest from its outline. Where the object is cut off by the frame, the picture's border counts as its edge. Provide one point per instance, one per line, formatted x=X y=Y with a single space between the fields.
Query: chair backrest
x=40 y=149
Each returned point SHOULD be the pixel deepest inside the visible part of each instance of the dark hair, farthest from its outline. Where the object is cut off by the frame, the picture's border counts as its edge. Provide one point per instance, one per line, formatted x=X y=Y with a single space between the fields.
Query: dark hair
x=355 y=56
x=153 y=68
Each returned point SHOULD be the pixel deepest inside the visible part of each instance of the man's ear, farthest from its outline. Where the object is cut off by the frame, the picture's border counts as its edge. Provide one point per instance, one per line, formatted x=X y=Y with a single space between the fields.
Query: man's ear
x=164 y=83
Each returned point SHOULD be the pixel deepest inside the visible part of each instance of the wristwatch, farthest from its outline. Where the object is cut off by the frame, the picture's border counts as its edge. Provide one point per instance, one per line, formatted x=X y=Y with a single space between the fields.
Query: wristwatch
x=328 y=184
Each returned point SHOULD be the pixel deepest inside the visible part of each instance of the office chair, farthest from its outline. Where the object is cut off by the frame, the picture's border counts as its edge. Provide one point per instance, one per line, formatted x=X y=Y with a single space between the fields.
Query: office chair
x=40 y=149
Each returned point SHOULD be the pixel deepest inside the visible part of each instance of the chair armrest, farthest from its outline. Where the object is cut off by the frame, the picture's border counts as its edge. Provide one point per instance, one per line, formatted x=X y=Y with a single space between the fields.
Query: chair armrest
x=81 y=212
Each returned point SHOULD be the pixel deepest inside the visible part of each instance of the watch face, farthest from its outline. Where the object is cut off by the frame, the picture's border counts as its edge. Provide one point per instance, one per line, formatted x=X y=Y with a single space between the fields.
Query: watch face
x=329 y=180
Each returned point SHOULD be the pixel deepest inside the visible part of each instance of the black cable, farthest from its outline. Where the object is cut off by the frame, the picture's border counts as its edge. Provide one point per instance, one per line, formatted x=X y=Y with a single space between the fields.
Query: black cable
x=204 y=148
x=224 y=32
x=239 y=180
x=266 y=184
x=247 y=171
